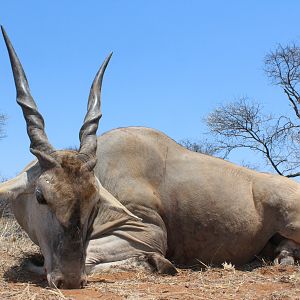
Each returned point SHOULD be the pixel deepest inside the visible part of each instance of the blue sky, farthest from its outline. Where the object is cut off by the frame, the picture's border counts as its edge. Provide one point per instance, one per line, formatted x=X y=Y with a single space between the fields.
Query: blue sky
x=173 y=62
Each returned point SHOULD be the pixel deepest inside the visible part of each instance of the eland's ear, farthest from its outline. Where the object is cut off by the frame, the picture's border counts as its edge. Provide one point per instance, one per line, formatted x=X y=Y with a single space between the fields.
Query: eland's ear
x=46 y=160
x=106 y=198
x=11 y=189
x=111 y=213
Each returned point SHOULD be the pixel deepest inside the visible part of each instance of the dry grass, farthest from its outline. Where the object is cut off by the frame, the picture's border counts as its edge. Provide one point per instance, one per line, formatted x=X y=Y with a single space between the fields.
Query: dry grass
x=255 y=281
x=5 y=208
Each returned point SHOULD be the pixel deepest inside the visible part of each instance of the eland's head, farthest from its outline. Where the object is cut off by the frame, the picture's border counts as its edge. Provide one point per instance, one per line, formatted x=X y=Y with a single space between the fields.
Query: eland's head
x=66 y=189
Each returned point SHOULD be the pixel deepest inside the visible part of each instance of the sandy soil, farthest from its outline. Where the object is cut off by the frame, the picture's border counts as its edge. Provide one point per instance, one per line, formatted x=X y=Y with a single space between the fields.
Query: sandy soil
x=255 y=281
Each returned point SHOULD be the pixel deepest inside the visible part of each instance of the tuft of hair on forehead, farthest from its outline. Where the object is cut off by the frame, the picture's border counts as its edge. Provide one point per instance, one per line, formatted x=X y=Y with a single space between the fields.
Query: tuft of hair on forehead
x=74 y=187
x=70 y=161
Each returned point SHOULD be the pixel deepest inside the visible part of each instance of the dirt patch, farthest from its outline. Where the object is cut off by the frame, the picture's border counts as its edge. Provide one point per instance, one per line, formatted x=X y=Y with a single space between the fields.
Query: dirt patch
x=255 y=281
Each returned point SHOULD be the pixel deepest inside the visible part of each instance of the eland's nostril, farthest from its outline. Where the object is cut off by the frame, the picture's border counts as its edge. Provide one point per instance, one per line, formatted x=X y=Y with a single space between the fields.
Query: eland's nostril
x=60 y=284
x=83 y=283
x=55 y=281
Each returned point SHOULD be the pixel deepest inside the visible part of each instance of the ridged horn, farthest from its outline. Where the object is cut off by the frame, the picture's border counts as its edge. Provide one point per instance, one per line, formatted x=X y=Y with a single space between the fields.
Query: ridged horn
x=34 y=120
x=87 y=134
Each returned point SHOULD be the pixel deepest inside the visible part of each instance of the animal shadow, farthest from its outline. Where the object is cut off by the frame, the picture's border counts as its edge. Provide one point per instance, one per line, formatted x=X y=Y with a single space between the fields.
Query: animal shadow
x=20 y=272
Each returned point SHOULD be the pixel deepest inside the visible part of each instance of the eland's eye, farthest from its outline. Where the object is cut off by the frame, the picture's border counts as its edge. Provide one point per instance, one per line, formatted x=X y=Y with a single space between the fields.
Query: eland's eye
x=40 y=197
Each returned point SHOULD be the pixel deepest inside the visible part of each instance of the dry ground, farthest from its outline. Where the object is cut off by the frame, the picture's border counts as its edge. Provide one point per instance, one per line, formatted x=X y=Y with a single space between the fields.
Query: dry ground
x=256 y=281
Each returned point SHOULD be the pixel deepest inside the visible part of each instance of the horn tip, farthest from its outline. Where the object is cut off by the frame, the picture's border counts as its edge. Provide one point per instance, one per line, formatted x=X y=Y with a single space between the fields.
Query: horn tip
x=3 y=30
x=5 y=36
x=109 y=56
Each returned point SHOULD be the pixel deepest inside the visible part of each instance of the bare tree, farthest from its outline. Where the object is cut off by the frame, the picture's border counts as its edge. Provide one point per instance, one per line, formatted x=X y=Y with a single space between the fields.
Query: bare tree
x=204 y=147
x=243 y=124
x=4 y=205
x=282 y=66
x=3 y=119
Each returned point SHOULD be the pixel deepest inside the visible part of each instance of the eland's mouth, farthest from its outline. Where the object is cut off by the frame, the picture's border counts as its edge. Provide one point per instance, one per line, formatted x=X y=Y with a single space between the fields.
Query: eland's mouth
x=66 y=281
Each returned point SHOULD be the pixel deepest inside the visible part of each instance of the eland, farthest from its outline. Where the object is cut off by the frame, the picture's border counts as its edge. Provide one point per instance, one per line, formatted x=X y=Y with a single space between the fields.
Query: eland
x=134 y=196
